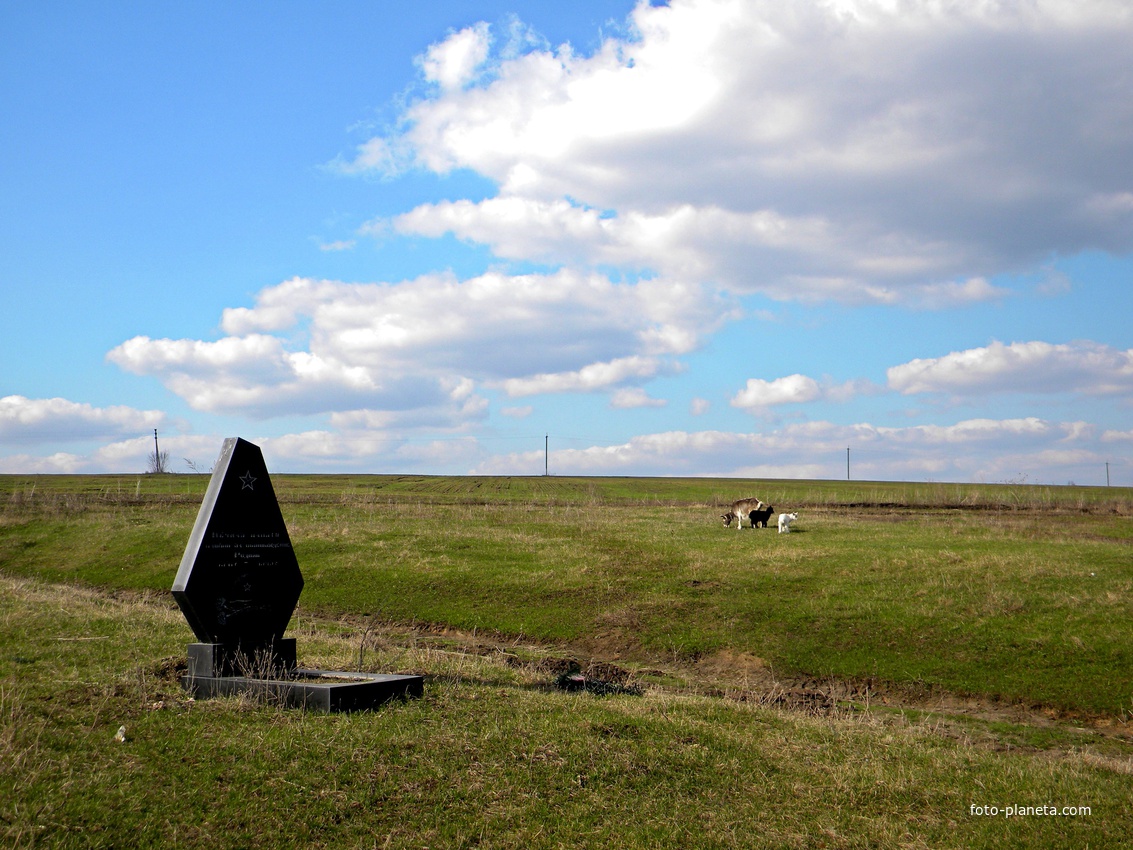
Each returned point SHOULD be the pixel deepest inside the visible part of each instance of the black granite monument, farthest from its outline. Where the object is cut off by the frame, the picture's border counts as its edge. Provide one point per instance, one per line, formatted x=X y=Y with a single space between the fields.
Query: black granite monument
x=238 y=585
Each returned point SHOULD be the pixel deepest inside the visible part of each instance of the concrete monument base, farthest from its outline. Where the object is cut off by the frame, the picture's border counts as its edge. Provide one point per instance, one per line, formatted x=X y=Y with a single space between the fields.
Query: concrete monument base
x=214 y=670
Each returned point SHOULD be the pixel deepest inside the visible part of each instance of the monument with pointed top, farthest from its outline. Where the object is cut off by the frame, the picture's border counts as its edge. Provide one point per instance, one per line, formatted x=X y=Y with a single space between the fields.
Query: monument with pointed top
x=238 y=585
x=239 y=580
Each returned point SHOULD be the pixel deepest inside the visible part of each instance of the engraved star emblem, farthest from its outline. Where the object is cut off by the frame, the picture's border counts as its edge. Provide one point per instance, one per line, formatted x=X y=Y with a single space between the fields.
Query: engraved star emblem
x=247 y=479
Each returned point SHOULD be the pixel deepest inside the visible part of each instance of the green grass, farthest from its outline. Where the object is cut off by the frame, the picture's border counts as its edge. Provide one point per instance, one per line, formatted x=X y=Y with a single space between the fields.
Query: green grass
x=491 y=756
x=1012 y=593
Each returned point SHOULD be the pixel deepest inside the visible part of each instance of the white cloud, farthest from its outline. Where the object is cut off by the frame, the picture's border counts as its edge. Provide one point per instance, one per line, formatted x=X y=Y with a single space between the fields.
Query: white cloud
x=60 y=463
x=126 y=456
x=53 y=420
x=793 y=389
x=758 y=394
x=452 y=63
x=258 y=376
x=699 y=406
x=989 y=450
x=954 y=293
x=590 y=378
x=707 y=243
x=865 y=152
x=377 y=451
x=314 y=346
x=1084 y=368
x=374 y=155
x=971 y=450
x=628 y=398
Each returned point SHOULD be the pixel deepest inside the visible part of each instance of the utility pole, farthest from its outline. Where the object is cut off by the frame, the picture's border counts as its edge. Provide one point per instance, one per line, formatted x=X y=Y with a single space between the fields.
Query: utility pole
x=546 y=455
x=1107 y=473
x=156 y=450
x=847 y=463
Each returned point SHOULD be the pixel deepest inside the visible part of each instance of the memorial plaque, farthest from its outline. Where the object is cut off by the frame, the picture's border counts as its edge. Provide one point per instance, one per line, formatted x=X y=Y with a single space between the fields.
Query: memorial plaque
x=239 y=581
x=238 y=585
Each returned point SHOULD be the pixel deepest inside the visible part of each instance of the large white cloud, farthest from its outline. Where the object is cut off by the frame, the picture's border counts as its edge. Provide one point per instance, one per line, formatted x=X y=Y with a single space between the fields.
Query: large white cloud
x=857 y=150
x=311 y=346
x=706 y=243
x=1085 y=368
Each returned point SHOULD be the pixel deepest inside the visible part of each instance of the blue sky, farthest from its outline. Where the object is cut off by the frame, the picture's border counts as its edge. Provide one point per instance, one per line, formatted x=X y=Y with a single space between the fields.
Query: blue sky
x=695 y=238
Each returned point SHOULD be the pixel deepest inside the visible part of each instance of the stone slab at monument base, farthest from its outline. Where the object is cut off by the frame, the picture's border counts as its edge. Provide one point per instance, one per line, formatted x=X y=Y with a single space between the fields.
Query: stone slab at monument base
x=214 y=671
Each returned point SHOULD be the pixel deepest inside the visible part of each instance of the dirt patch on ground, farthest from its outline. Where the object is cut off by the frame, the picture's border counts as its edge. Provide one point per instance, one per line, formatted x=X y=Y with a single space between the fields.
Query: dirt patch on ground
x=614 y=659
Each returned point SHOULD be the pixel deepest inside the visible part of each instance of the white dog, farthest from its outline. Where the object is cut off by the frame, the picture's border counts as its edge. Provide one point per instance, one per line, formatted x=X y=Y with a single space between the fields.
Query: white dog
x=785 y=521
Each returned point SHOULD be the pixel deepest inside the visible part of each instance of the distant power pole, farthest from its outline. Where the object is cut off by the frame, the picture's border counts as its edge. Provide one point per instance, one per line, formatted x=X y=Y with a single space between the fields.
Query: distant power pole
x=546 y=454
x=156 y=450
x=847 y=463
x=1107 y=473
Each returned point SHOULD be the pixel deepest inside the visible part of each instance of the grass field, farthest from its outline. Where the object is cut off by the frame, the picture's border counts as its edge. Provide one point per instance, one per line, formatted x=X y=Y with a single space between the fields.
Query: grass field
x=909 y=652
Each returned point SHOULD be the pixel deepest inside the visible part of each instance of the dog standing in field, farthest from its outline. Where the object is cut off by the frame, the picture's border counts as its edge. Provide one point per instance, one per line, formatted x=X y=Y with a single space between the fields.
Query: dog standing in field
x=739 y=510
x=785 y=521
